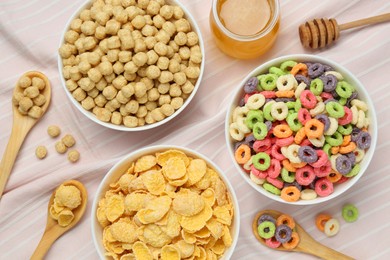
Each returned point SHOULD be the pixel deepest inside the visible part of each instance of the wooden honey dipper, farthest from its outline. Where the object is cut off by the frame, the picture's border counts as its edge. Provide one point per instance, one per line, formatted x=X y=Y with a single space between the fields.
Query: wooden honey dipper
x=319 y=33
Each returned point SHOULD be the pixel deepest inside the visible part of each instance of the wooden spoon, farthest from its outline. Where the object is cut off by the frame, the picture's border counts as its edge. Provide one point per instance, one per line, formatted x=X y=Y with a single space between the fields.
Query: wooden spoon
x=53 y=229
x=22 y=125
x=306 y=245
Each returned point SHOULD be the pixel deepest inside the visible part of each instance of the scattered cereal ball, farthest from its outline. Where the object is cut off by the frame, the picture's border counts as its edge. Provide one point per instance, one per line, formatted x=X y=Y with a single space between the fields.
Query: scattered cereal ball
x=140 y=59
x=61 y=147
x=102 y=114
x=177 y=102
x=24 y=82
x=165 y=77
x=68 y=140
x=138 y=22
x=25 y=104
x=53 y=130
x=41 y=152
x=130 y=121
x=39 y=83
x=73 y=156
x=35 y=112
x=31 y=92
x=68 y=196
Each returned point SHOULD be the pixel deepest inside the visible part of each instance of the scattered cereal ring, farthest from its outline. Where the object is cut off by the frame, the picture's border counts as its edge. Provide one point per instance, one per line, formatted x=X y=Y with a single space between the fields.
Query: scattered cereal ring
x=350 y=213
x=332 y=227
x=321 y=219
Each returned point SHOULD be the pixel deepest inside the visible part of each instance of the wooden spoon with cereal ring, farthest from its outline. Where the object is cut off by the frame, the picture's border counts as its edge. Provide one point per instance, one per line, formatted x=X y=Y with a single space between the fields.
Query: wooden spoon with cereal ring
x=53 y=230
x=306 y=244
x=22 y=125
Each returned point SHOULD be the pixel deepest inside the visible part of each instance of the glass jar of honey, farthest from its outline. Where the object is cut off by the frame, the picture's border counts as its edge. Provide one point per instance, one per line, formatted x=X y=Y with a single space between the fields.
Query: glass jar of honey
x=244 y=29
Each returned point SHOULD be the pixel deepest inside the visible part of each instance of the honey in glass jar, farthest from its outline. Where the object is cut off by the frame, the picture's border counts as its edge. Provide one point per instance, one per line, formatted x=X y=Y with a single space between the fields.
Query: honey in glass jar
x=244 y=29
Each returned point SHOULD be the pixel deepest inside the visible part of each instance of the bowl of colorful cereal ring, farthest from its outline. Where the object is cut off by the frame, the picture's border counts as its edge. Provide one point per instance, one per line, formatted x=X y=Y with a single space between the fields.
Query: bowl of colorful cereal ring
x=131 y=65
x=301 y=129
x=165 y=202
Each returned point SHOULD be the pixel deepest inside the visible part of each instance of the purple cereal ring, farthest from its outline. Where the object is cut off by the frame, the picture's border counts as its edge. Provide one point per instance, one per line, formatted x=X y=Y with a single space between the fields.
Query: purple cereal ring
x=300 y=78
x=251 y=85
x=307 y=154
x=283 y=233
x=335 y=95
x=328 y=67
x=325 y=120
x=266 y=217
x=355 y=133
x=353 y=96
x=352 y=157
x=241 y=103
x=236 y=145
x=330 y=82
x=343 y=164
x=249 y=140
x=315 y=70
x=268 y=124
x=363 y=140
x=285 y=100
x=305 y=175
x=329 y=100
x=294 y=183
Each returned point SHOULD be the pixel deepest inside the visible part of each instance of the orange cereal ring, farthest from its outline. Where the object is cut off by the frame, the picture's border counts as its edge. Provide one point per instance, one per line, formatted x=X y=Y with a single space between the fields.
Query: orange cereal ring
x=314 y=128
x=285 y=93
x=321 y=220
x=242 y=154
x=334 y=176
x=287 y=164
x=298 y=165
x=300 y=136
x=282 y=131
x=347 y=149
x=335 y=149
x=346 y=140
x=285 y=219
x=290 y=193
x=293 y=242
x=299 y=68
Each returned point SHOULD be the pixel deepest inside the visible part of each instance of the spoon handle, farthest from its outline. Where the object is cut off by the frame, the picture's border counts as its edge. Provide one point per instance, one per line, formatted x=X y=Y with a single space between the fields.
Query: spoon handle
x=324 y=252
x=44 y=245
x=11 y=152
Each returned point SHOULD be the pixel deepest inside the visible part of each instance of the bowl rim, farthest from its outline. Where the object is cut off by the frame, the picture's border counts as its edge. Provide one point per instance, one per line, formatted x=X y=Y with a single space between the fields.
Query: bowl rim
x=350 y=77
x=127 y=159
x=91 y=116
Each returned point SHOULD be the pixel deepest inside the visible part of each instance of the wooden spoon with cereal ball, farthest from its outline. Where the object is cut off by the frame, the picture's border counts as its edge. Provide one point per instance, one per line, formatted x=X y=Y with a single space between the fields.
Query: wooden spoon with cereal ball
x=22 y=124
x=53 y=230
x=306 y=245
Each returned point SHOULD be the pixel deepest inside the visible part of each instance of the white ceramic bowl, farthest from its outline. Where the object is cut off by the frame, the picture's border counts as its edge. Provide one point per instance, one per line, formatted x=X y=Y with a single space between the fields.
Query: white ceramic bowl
x=349 y=77
x=120 y=168
x=92 y=117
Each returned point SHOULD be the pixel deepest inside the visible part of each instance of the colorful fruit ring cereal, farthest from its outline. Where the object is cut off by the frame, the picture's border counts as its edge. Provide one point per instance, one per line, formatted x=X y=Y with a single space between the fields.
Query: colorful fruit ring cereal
x=285 y=219
x=332 y=227
x=350 y=213
x=321 y=219
x=266 y=229
x=293 y=242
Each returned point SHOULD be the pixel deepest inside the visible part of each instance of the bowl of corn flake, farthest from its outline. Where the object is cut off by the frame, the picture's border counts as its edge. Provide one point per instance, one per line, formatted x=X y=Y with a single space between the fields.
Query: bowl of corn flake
x=131 y=65
x=165 y=202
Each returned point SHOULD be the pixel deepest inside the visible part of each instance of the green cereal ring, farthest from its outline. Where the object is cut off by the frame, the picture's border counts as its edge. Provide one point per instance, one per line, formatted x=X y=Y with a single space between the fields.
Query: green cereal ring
x=268 y=81
x=343 y=89
x=293 y=122
x=326 y=149
x=261 y=161
x=267 y=111
x=260 y=130
x=259 y=88
x=298 y=105
x=335 y=139
x=317 y=86
x=343 y=101
x=290 y=104
x=355 y=170
x=287 y=65
x=253 y=117
x=271 y=188
x=266 y=229
x=287 y=176
x=276 y=71
x=335 y=109
x=345 y=129
x=350 y=213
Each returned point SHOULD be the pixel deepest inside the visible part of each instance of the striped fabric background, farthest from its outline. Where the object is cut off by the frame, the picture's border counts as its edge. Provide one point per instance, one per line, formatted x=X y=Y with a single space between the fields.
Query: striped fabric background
x=30 y=33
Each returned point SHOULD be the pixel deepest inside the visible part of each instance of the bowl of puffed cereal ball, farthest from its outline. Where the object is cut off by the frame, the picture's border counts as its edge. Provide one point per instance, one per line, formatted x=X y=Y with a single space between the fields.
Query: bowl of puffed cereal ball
x=301 y=129
x=165 y=202
x=131 y=65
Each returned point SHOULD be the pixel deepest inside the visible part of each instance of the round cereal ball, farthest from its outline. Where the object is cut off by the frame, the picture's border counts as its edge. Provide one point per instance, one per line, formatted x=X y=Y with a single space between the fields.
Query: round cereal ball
x=61 y=147
x=140 y=59
x=167 y=109
x=35 y=112
x=39 y=83
x=153 y=72
x=25 y=103
x=24 y=82
x=16 y=97
x=68 y=196
x=53 y=130
x=31 y=92
x=138 y=22
x=130 y=121
x=102 y=114
x=40 y=100
x=68 y=140
x=41 y=152
x=73 y=156
x=177 y=102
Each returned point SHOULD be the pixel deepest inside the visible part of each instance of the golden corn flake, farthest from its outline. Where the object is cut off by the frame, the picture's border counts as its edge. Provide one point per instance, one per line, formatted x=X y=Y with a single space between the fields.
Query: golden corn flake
x=178 y=182
x=141 y=251
x=220 y=191
x=210 y=255
x=223 y=215
x=112 y=255
x=196 y=222
x=145 y=163
x=172 y=227
x=209 y=196
x=124 y=231
x=68 y=196
x=170 y=253
x=131 y=168
x=215 y=227
x=188 y=203
x=153 y=235
x=186 y=249
x=188 y=237
x=65 y=217
x=196 y=170
x=163 y=157
x=203 y=233
x=227 y=237
x=136 y=201
x=136 y=185
x=155 y=210
x=174 y=168
x=115 y=207
x=219 y=247
x=128 y=257
x=205 y=181
x=124 y=181
x=154 y=181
